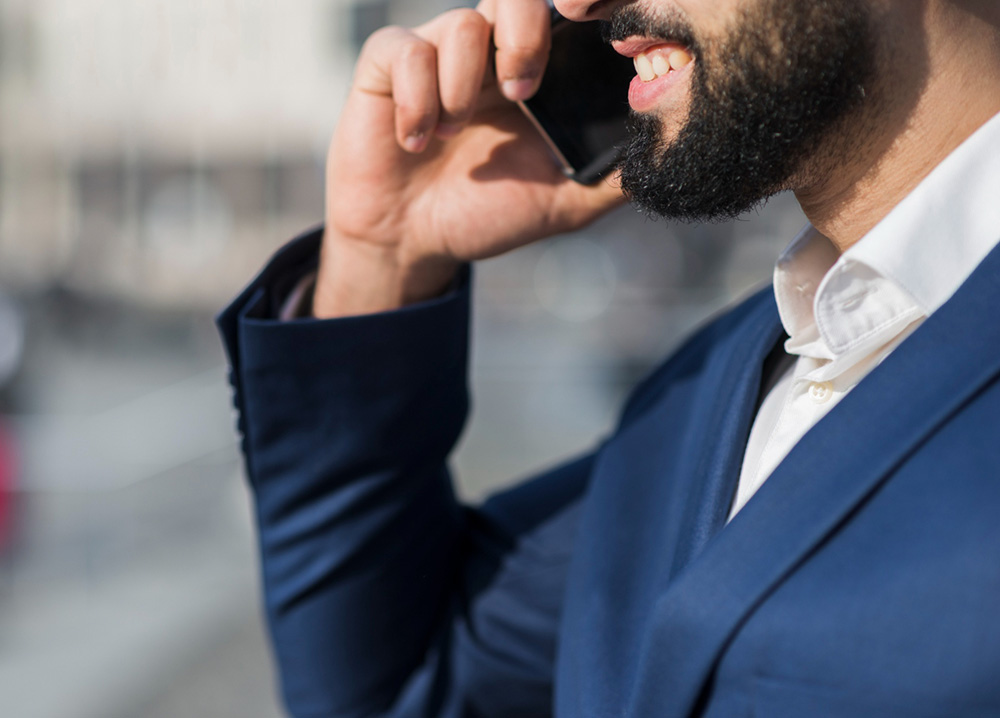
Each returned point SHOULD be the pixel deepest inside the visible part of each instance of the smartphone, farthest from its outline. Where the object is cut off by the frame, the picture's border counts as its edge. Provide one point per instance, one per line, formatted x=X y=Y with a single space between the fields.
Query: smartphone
x=582 y=103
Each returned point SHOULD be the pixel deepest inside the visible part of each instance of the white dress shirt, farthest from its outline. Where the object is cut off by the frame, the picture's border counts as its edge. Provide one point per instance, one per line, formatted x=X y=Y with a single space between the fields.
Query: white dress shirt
x=846 y=313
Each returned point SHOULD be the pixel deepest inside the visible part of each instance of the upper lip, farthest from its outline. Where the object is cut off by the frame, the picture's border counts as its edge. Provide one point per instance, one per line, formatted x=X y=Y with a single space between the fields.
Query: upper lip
x=633 y=46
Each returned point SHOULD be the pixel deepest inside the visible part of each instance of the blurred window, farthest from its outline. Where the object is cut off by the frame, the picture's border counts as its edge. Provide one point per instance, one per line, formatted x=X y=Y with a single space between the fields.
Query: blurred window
x=18 y=44
x=297 y=186
x=101 y=188
x=244 y=186
x=367 y=16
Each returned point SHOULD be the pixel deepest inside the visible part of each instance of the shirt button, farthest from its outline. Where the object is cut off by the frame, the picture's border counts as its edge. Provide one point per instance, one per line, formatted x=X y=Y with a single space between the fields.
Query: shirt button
x=820 y=391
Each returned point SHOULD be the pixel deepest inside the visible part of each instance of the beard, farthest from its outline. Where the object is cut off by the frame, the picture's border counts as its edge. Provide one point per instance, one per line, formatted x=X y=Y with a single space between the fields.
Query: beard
x=769 y=105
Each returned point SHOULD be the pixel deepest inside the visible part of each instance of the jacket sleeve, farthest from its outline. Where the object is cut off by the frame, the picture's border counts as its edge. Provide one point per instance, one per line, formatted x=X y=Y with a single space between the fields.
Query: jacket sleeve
x=384 y=595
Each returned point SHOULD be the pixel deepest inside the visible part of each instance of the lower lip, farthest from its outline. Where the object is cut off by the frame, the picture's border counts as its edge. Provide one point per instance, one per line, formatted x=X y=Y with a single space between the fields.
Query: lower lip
x=645 y=96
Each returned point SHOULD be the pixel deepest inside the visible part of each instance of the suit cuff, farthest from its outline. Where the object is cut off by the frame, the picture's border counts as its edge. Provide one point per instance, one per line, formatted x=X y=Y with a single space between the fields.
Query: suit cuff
x=305 y=372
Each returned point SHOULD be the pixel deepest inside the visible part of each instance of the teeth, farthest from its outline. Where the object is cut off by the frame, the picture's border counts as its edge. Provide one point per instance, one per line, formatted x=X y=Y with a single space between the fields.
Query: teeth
x=679 y=59
x=644 y=67
x=649 y=66
x=660 y=65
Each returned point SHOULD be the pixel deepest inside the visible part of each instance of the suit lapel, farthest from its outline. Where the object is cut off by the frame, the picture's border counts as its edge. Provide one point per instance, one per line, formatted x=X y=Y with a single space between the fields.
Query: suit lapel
x=900 y=403
x=720 y=431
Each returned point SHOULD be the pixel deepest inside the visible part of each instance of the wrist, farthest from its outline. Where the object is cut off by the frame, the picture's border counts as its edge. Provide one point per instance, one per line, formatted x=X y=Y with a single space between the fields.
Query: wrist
x=357 y=277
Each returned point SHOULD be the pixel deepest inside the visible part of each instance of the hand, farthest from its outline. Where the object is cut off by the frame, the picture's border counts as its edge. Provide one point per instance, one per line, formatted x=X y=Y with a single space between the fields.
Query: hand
x=432 y=165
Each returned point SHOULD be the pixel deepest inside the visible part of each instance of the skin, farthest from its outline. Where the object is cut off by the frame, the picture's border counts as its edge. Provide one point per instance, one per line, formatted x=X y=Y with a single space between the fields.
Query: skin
x=431 y=165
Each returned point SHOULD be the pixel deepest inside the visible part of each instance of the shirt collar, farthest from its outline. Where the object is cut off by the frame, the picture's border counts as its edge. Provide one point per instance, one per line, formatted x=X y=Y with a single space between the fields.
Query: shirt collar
x=905 y=268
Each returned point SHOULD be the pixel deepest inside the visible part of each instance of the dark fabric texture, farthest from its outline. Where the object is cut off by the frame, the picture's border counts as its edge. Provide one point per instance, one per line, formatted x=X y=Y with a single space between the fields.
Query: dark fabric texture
x=861 y=580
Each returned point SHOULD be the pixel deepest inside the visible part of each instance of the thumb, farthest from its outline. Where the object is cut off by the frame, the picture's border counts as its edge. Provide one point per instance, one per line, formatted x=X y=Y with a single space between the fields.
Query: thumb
x=577 y=205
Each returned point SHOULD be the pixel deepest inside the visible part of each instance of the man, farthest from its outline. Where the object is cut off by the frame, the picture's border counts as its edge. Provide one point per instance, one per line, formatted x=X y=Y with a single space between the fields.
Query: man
x=780 y=526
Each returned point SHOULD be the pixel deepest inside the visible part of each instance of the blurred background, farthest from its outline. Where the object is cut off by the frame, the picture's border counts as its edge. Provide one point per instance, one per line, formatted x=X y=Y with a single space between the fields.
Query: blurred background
x=152 y=155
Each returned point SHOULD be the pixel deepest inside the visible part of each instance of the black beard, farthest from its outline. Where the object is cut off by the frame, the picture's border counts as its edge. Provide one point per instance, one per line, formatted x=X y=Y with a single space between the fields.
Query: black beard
x=767 y=102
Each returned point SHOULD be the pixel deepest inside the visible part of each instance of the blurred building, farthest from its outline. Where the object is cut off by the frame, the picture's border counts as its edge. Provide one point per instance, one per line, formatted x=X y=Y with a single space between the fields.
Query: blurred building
x=153 y=153
x=155 y=150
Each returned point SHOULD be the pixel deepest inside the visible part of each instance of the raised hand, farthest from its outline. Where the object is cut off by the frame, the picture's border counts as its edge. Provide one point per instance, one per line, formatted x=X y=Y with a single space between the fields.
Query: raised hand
x=432 y=165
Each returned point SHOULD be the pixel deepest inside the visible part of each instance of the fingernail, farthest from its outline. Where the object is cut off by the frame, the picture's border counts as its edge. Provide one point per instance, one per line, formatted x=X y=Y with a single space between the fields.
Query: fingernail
x=519 y=89
x=415 y=142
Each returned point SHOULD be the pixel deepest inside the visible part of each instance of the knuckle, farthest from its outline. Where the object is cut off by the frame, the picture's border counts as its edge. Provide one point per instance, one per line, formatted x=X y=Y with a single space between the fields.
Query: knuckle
x=381 y=36
x=519 y=50
x=416 y=50
x=520 y=60
x=465 y=21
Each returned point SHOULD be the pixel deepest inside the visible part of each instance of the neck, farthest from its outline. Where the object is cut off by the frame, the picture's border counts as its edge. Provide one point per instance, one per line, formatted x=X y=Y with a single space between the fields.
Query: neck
x=954 y=81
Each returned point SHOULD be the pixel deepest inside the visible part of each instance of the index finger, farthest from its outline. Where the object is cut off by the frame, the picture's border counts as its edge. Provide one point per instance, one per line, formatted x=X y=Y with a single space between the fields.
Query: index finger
x=522 y=36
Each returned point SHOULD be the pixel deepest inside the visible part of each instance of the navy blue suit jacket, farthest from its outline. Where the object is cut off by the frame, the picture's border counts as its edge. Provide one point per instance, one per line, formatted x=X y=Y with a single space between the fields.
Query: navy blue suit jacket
x=862 y=580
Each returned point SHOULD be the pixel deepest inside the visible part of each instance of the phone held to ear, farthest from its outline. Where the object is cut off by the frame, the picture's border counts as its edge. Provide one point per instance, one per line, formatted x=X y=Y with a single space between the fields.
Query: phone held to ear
x=581 y=106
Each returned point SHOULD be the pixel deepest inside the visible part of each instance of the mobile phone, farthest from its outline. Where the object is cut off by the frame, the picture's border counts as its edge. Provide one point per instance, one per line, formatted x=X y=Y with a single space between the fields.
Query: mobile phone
x=581 y=106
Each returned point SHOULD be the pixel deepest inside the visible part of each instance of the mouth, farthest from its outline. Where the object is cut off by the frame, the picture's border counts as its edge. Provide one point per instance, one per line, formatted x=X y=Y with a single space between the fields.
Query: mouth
x=660 y=67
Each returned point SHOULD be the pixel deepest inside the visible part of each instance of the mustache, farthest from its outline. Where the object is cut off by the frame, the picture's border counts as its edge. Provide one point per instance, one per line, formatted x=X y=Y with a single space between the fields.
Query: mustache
x=629 y=20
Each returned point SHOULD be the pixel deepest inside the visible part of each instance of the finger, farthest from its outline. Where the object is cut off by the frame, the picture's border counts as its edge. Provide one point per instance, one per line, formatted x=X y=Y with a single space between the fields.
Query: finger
x=415 y=93
x=487 y=8
x=398 y=64
x=463 y=53
x=577 y=205
x=522 y=37
x=373 y=73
